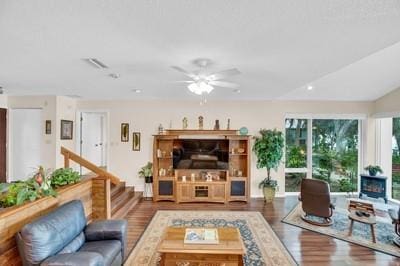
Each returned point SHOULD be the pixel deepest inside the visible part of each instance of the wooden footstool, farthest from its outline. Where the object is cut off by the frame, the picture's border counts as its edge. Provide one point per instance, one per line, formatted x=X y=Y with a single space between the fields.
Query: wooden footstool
x=355 y=206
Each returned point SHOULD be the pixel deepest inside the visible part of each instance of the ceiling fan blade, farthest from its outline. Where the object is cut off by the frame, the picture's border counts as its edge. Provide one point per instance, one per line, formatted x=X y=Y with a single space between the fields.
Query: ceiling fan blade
x=224 y=74
x=184 y=81
x=191 y=75
x=224 y=84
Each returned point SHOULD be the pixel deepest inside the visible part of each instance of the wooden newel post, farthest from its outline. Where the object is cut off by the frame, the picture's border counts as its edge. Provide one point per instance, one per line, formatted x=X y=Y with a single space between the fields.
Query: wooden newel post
x=66 y=160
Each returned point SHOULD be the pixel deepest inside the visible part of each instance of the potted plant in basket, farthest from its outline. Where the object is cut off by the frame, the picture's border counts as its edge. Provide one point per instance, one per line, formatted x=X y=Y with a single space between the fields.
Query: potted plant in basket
x=268 y=148
x=373 y=170
x=147 y=172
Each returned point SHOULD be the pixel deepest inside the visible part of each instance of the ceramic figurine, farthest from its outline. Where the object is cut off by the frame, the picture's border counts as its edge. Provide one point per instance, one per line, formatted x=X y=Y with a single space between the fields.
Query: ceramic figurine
x=201 y=120
x=216 y=126
x=228 y=127
x=160 y=129
x=185 y=123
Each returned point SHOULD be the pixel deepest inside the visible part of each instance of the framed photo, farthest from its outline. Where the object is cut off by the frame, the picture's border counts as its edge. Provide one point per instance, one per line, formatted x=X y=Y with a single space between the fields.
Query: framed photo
x=124 y=132
x=48 y=127
x=136 y=141
x=66 y=129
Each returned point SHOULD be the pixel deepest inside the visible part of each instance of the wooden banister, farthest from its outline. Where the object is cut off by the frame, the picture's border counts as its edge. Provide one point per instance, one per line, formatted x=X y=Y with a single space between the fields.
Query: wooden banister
x=69 y=155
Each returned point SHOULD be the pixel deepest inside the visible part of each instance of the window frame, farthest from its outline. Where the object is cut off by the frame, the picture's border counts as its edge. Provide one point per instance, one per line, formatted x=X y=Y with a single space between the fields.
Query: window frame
x=310 y=117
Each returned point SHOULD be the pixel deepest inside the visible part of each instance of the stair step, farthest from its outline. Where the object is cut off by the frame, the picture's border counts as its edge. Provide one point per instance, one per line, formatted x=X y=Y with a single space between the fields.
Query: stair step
x=121 y=198
x=125 y=206
x=117 y=189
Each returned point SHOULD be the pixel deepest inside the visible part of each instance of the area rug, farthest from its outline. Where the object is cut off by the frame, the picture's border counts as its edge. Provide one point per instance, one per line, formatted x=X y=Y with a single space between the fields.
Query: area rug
x=361 y=235
x=263 y=247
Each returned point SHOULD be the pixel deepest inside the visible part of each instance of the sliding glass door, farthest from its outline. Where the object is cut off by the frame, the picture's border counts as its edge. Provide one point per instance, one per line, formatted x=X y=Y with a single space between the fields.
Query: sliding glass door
x=396 y=159
x=333 y=145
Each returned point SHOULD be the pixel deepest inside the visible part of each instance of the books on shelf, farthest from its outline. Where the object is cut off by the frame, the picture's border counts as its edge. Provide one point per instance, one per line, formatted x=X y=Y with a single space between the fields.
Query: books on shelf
x=201 y=236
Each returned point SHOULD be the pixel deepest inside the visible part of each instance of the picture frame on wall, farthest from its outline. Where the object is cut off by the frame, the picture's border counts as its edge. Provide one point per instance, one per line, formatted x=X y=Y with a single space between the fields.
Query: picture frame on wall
x=136 y=141
x=124 y=132
x=67 y=129
x=48 y=127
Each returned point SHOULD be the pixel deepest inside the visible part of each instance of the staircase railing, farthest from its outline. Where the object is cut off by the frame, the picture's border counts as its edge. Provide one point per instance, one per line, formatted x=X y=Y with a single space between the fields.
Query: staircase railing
x=71 y=156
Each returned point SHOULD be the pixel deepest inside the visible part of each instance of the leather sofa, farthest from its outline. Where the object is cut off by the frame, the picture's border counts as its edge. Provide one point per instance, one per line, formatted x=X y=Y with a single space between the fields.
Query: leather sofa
x=63 y=237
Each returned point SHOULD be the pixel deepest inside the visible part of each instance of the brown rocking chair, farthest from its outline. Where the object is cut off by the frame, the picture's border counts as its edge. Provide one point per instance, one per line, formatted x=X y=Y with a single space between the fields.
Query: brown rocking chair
x=316 y=201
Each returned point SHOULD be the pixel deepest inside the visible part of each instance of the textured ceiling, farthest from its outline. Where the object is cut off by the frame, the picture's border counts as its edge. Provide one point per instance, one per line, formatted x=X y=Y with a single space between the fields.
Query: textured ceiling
x=347 y=49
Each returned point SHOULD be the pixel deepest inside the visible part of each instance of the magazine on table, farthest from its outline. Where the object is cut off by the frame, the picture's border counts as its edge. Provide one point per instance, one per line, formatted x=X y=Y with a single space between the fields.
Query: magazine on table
x=201 y=236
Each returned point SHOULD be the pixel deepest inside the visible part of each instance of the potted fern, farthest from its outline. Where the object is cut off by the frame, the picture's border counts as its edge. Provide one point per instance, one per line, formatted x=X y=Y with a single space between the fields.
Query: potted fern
x=268 y=148
x=147 y=172
x=373 y=170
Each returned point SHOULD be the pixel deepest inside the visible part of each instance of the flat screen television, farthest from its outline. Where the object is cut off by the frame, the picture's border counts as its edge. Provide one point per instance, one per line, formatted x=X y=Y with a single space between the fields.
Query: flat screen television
x=201 y=154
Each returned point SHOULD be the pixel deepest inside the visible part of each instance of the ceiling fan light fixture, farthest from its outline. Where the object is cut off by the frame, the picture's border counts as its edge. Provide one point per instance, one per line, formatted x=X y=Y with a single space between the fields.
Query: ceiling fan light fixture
x=200 y=87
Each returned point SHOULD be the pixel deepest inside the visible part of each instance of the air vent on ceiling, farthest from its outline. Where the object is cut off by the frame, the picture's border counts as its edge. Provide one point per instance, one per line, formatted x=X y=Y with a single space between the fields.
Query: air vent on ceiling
x=95 y=62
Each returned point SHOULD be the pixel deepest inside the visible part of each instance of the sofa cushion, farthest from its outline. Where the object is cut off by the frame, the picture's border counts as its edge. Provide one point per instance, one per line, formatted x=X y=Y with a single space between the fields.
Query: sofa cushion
x=74 y=245
x=49 y=234
x=75 y=259
x=108 y=249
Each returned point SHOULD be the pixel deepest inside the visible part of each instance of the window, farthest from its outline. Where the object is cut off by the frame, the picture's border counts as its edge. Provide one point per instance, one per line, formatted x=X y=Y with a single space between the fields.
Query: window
x=396 y=159
x=335 y=153
x=333 y=149
x=296 y=153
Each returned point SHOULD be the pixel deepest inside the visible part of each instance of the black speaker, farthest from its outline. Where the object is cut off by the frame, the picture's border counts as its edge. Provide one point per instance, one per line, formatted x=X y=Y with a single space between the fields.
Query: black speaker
x=238 y=188
x=166 y=188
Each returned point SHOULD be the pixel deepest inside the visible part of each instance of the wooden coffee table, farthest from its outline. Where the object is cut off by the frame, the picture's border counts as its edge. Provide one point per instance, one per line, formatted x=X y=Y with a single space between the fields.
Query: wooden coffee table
x=355 y=206
x=229 y=251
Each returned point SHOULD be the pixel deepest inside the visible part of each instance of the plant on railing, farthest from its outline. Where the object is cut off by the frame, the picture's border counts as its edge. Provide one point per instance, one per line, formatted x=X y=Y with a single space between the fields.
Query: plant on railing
x=29 y=190
x=42 y=184
x=64 y=176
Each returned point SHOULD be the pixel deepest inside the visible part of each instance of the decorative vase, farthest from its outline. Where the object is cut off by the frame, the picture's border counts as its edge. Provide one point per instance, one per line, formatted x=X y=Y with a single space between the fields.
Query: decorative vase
x=372 y=172
x=148 y=179
x=269 y=193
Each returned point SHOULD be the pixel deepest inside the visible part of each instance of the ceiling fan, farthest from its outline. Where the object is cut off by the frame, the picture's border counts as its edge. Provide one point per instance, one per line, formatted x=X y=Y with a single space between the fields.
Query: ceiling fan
x=203 y=82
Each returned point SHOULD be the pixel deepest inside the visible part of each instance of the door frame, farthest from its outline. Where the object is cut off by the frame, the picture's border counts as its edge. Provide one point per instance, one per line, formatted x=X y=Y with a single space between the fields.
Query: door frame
x=107 y=138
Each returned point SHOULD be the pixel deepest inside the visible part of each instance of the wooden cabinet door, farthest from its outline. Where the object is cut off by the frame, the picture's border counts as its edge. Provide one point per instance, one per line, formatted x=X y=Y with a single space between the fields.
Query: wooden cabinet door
x=184 y=192
x=218 y=192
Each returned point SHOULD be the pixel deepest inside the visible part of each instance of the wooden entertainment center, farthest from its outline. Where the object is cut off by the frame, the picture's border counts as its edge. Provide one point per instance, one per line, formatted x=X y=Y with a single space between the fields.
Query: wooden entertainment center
x=201 y=166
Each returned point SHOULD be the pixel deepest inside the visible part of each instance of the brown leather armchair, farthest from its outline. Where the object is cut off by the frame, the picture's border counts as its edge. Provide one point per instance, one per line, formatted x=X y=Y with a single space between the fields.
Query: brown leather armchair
x=316 y=201
x=395 y=215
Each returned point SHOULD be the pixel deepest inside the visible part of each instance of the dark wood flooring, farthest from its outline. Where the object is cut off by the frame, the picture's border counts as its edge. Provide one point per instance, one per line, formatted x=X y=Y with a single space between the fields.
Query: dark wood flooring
x=306 y=247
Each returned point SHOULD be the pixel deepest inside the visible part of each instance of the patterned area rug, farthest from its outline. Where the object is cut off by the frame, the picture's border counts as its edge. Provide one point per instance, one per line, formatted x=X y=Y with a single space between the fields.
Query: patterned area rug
x=361 y=235
x=262 y=245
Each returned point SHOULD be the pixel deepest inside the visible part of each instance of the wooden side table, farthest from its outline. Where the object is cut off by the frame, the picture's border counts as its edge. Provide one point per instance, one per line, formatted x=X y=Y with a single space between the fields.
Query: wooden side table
x=355 y=206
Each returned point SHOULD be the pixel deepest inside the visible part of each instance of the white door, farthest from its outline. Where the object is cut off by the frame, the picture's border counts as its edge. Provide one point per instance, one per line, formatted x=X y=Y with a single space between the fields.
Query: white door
x=93 y=136
x=25 y=142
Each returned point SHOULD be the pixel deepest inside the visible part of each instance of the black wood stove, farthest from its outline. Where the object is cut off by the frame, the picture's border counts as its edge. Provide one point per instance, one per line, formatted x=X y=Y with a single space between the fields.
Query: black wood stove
x=373 y=186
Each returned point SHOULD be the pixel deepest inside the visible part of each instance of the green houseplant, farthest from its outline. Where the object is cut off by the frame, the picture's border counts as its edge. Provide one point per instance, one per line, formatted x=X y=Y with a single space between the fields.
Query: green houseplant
x=268 y=148
x=147 y=172
x=373 y=170
x=64 y=176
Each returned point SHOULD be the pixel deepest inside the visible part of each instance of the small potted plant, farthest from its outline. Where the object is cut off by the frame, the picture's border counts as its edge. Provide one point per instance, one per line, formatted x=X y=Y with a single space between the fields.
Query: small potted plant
x=147 y=172
x=268 y=148
x=373 y=170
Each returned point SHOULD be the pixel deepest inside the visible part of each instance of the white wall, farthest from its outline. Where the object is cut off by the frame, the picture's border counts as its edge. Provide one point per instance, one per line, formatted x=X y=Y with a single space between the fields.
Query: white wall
x=145 y=116
x=3 y=101
x=65 y=110
x=388 y=105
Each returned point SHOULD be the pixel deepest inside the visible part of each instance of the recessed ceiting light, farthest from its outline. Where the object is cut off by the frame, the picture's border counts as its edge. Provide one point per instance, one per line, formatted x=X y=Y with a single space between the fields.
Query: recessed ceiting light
x=236 y=90
x=137 y=90
x=310 y=88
